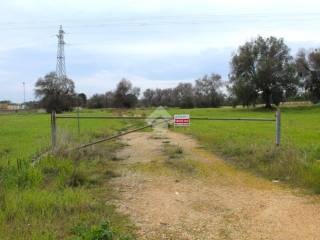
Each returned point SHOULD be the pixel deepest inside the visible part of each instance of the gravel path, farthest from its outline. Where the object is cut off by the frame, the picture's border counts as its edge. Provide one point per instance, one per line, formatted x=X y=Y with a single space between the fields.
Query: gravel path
x=225 y=204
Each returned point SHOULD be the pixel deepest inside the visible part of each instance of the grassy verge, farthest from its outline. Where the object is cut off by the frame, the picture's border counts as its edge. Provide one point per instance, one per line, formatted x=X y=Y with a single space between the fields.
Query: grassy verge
x=251 y=145
x=64 y=196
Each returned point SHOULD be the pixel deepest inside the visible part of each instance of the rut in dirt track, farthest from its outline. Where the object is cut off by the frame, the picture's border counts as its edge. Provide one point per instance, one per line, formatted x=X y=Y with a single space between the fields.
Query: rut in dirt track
x=225 y=204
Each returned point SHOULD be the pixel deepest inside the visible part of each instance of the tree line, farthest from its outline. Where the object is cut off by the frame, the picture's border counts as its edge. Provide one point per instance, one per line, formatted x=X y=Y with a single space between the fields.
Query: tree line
x=205 y=93
x=261 y=71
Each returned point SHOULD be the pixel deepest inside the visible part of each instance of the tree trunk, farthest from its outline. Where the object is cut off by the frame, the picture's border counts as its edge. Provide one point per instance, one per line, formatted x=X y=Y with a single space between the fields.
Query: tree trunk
x=267 y=98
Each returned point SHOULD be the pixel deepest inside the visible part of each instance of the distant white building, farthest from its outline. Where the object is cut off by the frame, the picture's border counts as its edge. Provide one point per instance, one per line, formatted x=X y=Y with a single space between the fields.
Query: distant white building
x=11 y=106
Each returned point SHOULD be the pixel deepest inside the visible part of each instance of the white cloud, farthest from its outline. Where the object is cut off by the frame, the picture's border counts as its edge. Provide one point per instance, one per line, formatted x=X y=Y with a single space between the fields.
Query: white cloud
x=115 y=34
x=96 y=6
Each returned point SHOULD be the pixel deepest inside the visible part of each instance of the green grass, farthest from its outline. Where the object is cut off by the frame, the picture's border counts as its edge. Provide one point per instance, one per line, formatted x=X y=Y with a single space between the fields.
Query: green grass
x=251 y=145
x=50 y=200
x=24 y=135
x=64 y=196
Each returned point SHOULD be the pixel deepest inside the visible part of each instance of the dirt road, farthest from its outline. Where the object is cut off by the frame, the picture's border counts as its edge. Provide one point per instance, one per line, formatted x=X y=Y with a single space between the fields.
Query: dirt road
x=174 y=189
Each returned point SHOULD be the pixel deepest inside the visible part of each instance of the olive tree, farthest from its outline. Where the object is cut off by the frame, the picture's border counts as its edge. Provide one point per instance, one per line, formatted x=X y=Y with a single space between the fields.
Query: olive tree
x=207 y=91
x=55 y=94
x=126 y=96
x=263 y=67
x=308 y=66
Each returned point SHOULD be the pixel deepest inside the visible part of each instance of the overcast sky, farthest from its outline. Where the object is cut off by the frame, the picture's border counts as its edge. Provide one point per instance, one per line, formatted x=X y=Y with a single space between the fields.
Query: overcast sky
x=153 y=43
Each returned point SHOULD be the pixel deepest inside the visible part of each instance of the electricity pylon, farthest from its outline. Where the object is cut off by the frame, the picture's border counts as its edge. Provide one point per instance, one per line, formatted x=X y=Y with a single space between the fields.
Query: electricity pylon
x=61 y=65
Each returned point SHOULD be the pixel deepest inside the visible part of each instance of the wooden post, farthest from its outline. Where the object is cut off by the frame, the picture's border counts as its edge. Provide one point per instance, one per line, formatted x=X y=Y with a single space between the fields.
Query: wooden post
x=53 y=130
x=278 y=127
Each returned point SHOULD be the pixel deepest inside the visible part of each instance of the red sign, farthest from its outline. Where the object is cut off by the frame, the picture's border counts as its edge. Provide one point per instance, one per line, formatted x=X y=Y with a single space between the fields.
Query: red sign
x=182 y=120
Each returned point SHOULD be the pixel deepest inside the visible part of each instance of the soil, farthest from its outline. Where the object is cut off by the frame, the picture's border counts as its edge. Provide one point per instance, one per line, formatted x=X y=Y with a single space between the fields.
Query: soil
x=228 y=203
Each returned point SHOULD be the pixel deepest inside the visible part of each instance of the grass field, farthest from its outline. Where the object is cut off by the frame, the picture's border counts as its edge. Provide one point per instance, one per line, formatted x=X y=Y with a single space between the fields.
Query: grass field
x=252 y=144
x=61 y=197
x=23 y=135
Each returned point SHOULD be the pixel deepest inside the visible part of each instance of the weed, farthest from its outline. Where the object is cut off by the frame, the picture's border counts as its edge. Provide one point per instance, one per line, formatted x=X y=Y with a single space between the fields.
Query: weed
x=115 y=158
x=181 y=166
x=77 y=179
x=103 y=231
x=111 y=174
x=22 y=176
x=172 y=151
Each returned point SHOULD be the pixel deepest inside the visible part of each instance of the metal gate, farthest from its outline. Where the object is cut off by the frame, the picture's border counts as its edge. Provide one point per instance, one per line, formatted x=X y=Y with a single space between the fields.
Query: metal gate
x=54 y=118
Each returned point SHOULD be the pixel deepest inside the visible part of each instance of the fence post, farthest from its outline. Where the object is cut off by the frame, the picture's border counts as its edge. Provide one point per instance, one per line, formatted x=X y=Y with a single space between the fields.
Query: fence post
x=78 y=120
x=278 y=127
x=53 y=130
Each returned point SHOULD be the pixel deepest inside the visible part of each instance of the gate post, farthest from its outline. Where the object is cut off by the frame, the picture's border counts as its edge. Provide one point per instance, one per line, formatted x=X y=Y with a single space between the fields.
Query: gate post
x=278 y=127
x=53 y=130
x=78 y=121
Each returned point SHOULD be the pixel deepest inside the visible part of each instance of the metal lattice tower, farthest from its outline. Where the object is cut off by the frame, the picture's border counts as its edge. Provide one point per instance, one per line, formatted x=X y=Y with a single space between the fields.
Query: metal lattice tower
x=61 y=65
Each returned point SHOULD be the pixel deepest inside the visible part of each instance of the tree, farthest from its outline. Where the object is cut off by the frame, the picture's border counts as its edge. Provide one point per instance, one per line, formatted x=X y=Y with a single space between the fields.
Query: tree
x=184 y=95
x=97 y=101
x=158 y=97
x=32 y=105
x=263 y=67
x=82 y=100
x=167 y=97
x=243 y=92
x=148 y=97
x=125 y=95
x=54 y=93
x=308 y=66
x=109 y=99
x=101 y=100
x=207 y=91
x=5 y=101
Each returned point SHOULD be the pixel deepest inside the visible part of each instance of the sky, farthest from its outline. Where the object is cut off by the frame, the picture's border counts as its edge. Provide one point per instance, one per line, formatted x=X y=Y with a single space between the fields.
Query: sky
x=152 y=43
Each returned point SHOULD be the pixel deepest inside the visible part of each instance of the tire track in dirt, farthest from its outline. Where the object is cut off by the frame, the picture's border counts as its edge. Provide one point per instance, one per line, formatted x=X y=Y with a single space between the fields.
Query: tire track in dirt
x=225 y=203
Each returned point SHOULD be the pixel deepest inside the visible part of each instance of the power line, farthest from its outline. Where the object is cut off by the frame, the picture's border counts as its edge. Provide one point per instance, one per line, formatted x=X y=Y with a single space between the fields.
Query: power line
x=163 y=21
